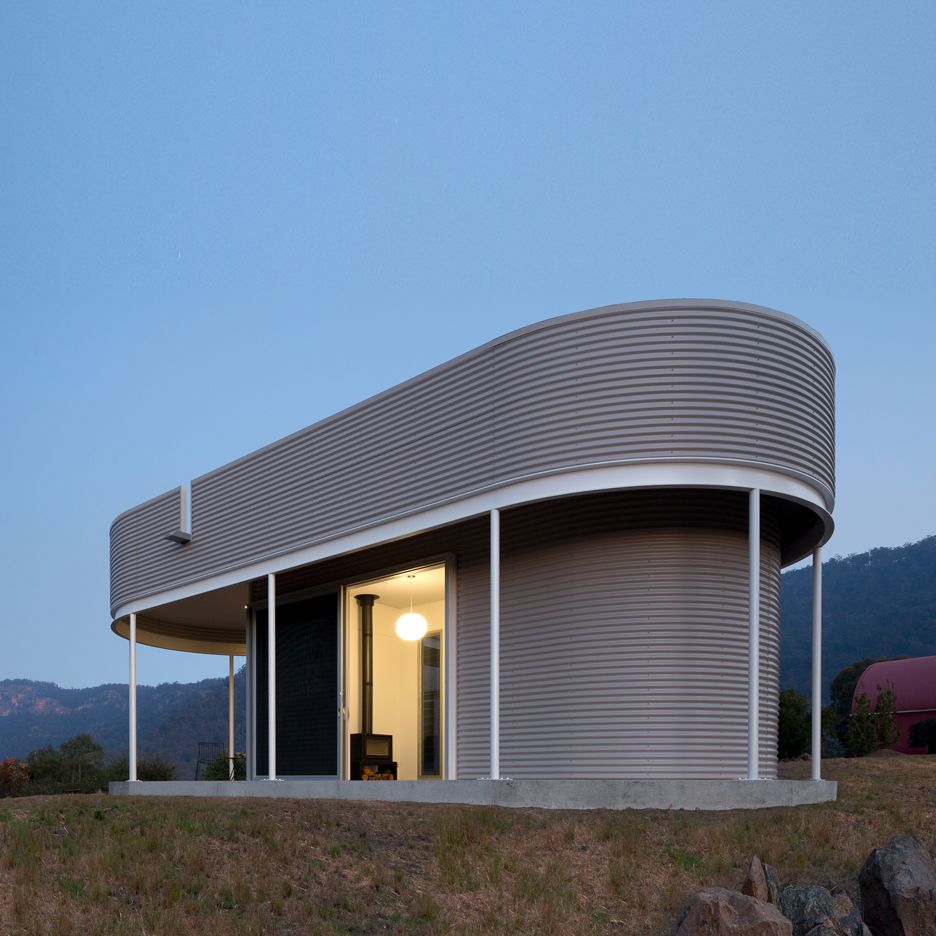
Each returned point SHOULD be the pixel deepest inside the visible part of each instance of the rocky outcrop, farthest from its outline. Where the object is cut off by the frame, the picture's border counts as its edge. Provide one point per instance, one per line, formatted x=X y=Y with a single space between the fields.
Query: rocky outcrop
x=898 y=889
x=815 y=911
x=715 y=911
x=898 y=898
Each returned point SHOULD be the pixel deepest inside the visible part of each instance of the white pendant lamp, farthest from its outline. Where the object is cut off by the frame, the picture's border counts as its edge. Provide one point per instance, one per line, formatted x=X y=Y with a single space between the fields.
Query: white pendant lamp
x=411 y=626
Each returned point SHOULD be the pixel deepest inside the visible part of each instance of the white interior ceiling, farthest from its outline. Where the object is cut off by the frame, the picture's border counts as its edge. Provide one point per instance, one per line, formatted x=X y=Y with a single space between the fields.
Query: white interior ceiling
x=394 y=591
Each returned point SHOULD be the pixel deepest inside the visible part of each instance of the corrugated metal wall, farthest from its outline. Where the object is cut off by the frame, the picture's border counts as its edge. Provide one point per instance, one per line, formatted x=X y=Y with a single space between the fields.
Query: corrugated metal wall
x=139 y=553
x=624 y=633
x=649 y=381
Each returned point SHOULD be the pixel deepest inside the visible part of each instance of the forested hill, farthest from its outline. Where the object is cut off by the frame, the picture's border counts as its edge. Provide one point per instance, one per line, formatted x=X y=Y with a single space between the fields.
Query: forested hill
x=880 y=603
x=172 y=717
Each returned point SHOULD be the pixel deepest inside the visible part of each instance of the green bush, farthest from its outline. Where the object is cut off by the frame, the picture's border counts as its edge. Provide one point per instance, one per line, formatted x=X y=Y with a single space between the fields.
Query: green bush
x=923 y=735
x=77 y=765
x=220 y=768
x=872 y=730
x=794 y=728
x=148 y=768
x=861 y=736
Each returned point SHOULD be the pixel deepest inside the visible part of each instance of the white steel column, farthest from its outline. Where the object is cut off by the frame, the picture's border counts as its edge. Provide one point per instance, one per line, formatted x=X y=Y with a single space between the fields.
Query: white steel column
x=817 y=663
x=753 y=634
x=271 y=676
x=495 y=644
x=231 y=717
x=132 y=754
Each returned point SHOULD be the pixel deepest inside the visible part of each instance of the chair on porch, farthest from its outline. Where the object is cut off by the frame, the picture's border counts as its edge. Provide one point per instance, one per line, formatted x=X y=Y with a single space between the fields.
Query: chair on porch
x=208 y=753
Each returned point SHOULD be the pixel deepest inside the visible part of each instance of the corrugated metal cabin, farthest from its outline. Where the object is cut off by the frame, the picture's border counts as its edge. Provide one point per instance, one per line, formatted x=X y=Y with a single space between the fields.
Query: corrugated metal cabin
x=581 y=525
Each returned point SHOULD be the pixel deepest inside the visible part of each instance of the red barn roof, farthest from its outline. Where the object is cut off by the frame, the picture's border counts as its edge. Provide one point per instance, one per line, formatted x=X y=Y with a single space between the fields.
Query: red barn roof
x=913 y=682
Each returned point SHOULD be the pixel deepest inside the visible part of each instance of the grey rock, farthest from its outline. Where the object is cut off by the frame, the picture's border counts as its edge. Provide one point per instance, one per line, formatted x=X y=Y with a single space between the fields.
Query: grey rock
x=898 y=889
x=714 y=911
x=773 y=884
x=815 y=911
x=807 y=908
x=755 y=882
x=847 y=916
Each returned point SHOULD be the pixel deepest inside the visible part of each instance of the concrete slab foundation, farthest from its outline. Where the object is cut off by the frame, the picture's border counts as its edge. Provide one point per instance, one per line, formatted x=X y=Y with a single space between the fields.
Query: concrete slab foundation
x=545 y=794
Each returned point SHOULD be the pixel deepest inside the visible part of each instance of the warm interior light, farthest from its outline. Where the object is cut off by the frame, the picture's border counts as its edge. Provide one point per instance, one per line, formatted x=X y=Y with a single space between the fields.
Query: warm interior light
x=411 y=626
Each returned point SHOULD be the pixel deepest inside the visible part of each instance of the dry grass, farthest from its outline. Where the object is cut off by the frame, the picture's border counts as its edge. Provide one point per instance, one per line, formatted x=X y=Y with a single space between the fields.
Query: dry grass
x=96 y=865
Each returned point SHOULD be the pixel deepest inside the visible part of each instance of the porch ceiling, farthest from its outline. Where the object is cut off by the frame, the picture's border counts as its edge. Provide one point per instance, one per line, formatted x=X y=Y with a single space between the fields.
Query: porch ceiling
x=214 y=622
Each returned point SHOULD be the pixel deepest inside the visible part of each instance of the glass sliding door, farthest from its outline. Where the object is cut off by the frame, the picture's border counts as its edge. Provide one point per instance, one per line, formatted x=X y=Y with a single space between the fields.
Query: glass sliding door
x=394 y=691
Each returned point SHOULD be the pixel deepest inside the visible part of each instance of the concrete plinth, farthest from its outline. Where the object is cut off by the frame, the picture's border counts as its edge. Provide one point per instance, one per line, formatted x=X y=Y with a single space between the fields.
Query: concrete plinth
x=545 y=794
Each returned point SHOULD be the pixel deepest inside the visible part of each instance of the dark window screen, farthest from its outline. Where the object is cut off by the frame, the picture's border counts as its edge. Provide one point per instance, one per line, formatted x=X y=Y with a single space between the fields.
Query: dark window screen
x=306 y=688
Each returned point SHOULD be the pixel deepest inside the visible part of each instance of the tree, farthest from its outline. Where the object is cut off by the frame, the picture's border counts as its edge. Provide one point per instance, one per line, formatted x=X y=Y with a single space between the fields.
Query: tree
x=794 y=726
x=46 y=767
x=886 y=731
x=923 y=735
x=83 y=759
x=843 y=685
x=872 y=729
x=861 y=734
x=77 y=764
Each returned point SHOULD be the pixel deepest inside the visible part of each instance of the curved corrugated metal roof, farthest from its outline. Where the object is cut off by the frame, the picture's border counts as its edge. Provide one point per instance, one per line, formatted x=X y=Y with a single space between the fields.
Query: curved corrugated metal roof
x=913 y=681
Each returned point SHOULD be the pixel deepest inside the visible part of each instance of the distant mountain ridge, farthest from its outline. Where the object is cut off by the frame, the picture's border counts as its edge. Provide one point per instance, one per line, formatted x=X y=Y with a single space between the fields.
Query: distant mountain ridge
x=172 y=717
x=880 y=603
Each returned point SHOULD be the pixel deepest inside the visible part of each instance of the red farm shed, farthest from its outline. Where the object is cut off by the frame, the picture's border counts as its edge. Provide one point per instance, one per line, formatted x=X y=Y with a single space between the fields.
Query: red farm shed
x=914 y=683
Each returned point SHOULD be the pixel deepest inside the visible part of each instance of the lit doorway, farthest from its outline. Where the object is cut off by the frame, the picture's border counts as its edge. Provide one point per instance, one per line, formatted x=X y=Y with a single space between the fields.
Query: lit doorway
x=394 y=676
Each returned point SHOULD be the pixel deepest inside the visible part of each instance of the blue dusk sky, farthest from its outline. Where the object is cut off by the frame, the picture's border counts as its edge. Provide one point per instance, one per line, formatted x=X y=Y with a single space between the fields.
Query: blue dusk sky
x=224 y=221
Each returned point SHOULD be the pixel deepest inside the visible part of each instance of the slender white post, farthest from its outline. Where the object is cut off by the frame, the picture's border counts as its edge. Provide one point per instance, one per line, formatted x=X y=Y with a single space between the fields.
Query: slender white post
x=495 y=644
x=231 y=716
x=132 y=754
x=271 y=676
x=817 y=663
x=753 y=634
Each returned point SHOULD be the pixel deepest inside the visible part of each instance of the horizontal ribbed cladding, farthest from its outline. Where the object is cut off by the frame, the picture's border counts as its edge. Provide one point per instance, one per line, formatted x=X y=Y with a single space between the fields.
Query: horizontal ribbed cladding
x=468 y=542
x=769 y=641
x=683 y=384
x=624 y=637
x=139 y=552
x=645 y=382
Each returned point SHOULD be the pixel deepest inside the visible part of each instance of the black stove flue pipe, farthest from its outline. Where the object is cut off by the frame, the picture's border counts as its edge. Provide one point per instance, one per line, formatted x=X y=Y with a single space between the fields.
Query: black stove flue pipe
x=366 y=614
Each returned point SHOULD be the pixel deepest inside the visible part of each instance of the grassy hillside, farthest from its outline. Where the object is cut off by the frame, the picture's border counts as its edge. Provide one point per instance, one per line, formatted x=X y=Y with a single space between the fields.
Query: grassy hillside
x=104 y=865
x=880 y=603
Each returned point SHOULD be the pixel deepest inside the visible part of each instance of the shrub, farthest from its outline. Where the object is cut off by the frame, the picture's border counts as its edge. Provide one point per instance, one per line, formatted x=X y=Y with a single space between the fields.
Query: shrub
x=872 y=730
x=78 y=764
x=861 y=734
x=923 y=735
x=794 y=728
x=220 y=768
x=14 y=777
x=886 y=731
x=148 y=768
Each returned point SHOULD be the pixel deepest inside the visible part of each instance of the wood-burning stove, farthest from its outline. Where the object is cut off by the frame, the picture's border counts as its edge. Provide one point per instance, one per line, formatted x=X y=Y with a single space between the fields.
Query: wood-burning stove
x=371 y=754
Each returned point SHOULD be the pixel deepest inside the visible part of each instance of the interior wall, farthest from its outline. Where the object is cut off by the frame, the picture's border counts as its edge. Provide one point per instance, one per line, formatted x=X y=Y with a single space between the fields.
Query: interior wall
x=396 y=677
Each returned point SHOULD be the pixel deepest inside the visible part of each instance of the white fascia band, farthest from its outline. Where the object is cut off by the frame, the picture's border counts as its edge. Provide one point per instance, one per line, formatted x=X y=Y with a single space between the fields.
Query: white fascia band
x=577 y=480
